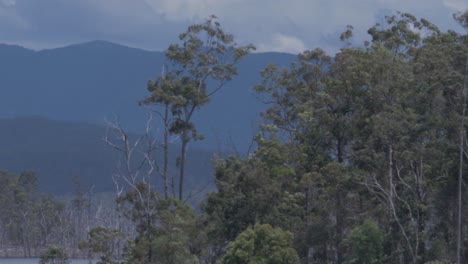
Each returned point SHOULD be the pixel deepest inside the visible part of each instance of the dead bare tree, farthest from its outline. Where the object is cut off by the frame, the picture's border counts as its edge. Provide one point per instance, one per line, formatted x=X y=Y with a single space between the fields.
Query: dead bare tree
x=136 y=166
x=389 y=192
x=136 y=162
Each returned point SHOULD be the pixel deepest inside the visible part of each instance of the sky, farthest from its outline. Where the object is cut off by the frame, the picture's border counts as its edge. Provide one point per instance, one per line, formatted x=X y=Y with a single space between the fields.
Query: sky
x=271 y=25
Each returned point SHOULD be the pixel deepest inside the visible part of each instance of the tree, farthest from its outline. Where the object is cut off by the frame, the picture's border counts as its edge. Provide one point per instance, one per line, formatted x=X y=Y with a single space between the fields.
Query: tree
x=54 y=255
x=101 y=241
x=197 y=68
x=312 y=107
x=262 y=244
x=462 y=18
x=366 y=244
x=258 y=189
x=165 y=235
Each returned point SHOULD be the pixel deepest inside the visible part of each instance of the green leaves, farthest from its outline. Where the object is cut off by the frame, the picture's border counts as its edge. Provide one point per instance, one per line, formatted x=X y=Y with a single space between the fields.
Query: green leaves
x=101 y=241
x=366 y=243
x=54 y=255
x=198 y=67
x=262 y=244
x=166 y=229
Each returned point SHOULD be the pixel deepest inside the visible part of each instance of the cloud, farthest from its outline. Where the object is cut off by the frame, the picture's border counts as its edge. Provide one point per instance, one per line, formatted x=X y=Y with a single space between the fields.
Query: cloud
x=279 y=25
x=8 y=3
x=183 y=10
x=53 y=23
x=283 y=43
x=10 y=20
x=179 y=10
x=456 y=5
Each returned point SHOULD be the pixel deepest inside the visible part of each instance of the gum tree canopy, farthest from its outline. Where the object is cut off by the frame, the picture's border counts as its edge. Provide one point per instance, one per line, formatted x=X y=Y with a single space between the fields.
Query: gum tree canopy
x=196 y=69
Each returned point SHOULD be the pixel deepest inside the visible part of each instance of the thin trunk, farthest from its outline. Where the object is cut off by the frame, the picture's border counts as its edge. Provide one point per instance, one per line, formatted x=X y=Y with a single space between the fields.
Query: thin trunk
x=182 y=166
x=420 y=246
x=166 y=155
x=390 y=172
x=392 y=204
x=309 y=220
x=339 y=211
x=460 y=171
x=26 y=243
x=459 y=220
x=150 y=246
x=185 y=141
x=339 y=151
x=339 y=230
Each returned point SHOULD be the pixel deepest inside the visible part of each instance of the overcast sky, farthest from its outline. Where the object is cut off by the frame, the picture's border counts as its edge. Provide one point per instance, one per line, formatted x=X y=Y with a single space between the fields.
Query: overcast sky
x=271 y=25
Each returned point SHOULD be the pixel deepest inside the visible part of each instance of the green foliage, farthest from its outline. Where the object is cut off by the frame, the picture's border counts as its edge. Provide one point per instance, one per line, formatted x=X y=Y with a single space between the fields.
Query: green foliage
x=174 y=240
x=366 y=243
x=262 y=244
x=251 y=191
x=100 y=240
x=166 y=228
x=27 y=217
x=375 y=133
x=198 y=68
x=54 y=255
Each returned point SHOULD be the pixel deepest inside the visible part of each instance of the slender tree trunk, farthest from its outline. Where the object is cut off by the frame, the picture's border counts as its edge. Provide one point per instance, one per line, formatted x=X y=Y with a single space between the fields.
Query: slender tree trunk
x=340 y=210
x=421 y=214
x=26 y=242
x=309 y=221
x=182 y=165
x=393 y=209
x=150 y=240
x=183 y=152
x=339 y=229
x=460 y=172
x=459 y=220
x=390 y=173
x=166 y=154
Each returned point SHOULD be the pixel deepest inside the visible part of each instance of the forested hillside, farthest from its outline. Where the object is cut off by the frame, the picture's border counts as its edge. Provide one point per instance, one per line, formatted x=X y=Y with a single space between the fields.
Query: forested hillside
x=60 y=152
x=360 y=157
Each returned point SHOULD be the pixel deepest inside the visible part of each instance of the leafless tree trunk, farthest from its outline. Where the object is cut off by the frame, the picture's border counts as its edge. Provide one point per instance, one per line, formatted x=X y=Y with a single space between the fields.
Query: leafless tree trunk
x=389 y=197
x=136 y=165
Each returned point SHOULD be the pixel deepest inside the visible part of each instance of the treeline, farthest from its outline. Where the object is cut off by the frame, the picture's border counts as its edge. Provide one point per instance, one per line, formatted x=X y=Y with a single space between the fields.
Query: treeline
x=26 y=216
x=31 y=221
x=361 y=157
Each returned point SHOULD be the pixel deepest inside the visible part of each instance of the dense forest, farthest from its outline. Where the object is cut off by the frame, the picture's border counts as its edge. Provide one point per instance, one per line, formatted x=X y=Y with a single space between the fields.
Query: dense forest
x=361 y=158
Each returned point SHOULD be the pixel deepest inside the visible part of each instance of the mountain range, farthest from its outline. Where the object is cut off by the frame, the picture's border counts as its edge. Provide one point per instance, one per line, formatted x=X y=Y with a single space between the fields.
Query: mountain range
x=96 y=80
x=54 y=103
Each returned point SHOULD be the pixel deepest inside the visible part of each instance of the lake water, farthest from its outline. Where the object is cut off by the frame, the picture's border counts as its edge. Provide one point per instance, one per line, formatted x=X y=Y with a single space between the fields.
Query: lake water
x=36 y=261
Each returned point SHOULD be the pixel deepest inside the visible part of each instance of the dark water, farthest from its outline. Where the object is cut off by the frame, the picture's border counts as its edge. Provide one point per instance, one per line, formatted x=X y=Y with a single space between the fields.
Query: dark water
x=36 y=261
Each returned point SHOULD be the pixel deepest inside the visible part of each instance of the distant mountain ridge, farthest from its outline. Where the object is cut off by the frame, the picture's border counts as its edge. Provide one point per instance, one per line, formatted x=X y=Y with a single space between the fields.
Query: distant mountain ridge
x=73 y=89
x=91 y=81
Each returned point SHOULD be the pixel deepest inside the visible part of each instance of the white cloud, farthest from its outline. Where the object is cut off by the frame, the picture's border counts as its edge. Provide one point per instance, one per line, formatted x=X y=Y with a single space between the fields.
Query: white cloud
x=283 y=43
x=8 y=3
x=10 y=20
x=279 y=25
x=291 y=25
x=456 y=5
x=181 y=10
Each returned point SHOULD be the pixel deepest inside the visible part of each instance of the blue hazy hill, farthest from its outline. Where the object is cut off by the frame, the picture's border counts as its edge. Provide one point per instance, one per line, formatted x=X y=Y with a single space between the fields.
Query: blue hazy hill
x=60 y=152
x=96 y=80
